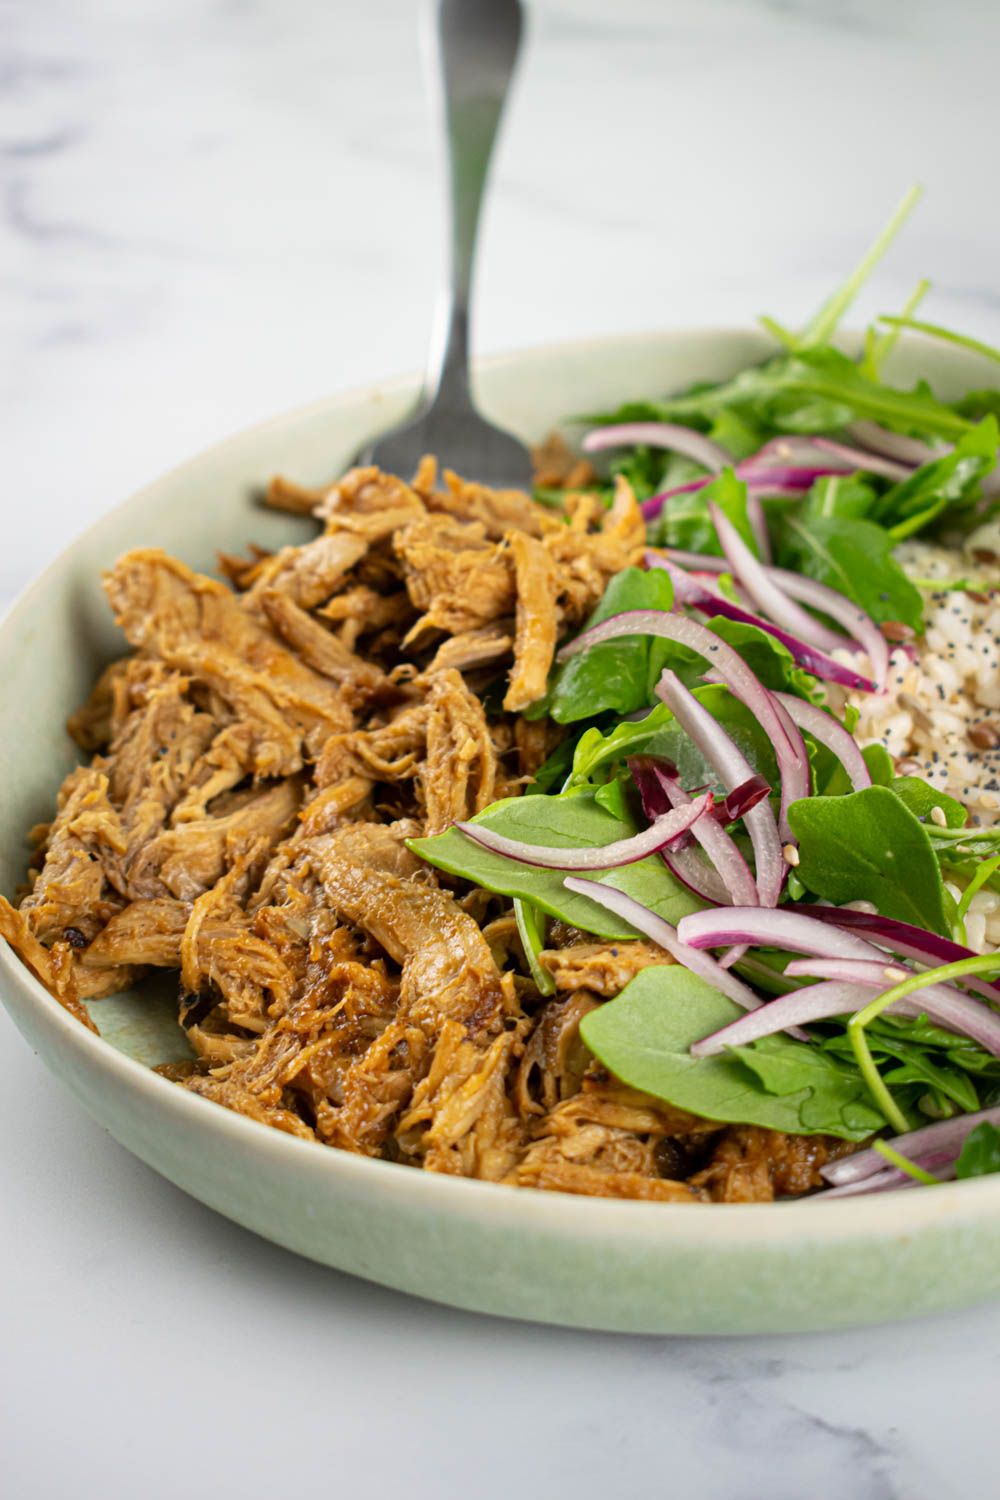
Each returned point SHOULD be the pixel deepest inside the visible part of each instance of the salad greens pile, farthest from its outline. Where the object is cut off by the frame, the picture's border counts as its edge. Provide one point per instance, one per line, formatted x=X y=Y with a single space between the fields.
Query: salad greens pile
x=864 y=834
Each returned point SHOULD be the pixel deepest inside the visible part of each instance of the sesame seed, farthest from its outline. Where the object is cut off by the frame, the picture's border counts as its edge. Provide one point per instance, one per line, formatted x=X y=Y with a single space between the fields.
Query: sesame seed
x=938 y=817
x=791 y=855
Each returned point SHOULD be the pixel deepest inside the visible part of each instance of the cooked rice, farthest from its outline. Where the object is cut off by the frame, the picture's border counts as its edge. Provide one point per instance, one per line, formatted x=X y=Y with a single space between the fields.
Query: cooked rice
x=947 y=687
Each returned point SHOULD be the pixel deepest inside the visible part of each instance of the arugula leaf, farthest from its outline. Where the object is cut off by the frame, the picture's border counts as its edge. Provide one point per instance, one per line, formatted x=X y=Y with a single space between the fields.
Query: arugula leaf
x=821 y=328
x=617 y=676
x=936 y=331
x=853 y=556
x=841 y=496
x=573 y=820
x=659 y=734
x=818 y=390
x=869 y=846
x=644 y=1037
x=940 y=484
x=980 y=1153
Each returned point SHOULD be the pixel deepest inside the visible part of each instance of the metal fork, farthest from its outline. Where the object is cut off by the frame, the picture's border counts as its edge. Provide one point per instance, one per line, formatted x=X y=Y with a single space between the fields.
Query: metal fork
x=476 y=45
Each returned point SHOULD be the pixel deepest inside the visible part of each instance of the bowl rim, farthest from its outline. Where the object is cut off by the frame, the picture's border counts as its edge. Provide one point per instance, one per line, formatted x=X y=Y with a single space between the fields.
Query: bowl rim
x=881 y=1216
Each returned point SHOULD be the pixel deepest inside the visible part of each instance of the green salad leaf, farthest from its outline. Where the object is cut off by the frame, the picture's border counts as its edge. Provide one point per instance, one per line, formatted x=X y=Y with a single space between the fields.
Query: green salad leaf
x=853 y=556
x=573 y=820
x=946 y=483
x=644 y=1037
x=659 y=734
x=980 y=1153
x=618 y=676
x=869 y=846
x=921 y=798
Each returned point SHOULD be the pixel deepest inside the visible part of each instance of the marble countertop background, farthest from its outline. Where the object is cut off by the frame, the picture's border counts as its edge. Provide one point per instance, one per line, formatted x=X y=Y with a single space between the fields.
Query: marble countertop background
x=212 y=211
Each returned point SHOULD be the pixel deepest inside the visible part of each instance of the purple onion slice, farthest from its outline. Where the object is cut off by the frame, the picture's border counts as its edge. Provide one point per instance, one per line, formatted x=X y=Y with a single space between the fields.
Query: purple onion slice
x=683 y=440
x=943 y=1004
x=907 y=450
x=772 y=927
x=732 y=868
x=944 y=1138
x=902 y=938
x=766 y=595
x=661 y=932
x=829 y=732
x=601 y=856
x=733 y=770
x=818 y=1002
x=708 y=602
x=737 y=676
x=869 y=463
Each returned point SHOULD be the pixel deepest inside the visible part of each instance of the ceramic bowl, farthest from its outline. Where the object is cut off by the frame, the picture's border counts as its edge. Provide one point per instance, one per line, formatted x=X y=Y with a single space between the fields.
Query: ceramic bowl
x=595 y=1263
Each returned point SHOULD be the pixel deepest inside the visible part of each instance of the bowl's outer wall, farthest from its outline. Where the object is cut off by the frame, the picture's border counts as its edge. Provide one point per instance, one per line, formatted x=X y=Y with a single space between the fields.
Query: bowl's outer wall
x=633 y=1267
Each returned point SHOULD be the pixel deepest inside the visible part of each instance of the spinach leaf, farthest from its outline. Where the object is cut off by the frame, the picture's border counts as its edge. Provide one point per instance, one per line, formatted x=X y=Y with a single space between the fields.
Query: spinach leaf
x=869 y=846
x=831 y=780
x=980 y=1153
x=617 y=676
x=855 y=558
x=574 y=820
x=920 y=797
x=644 y=1037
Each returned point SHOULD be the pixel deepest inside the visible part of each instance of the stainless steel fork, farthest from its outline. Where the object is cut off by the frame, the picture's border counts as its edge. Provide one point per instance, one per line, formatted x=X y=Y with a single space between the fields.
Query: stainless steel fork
x=476 y=44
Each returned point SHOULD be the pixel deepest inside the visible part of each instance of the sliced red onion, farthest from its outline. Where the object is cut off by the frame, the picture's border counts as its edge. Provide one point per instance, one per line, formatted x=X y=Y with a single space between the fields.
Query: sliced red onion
x=831 y=733
x=818 y=1002
x=766 y=595
x=943 y=1138
x=680 y=858
x=941 y=1003
x=738 y=883
x=600 y=857
x=740 y=680
x=862 y=627
x=699 y=597
x=758 y=524
x=692 y=870
x=733 y=770
x=683 y=440
x=891 y=1179
x=661 y=932
x=902 y=938
x=789 y=448
x=772 y=927
x=779 y=480
x=742 y=799
x=706 y=561
x=908 y=450
x=870 y=463
x=817 y=595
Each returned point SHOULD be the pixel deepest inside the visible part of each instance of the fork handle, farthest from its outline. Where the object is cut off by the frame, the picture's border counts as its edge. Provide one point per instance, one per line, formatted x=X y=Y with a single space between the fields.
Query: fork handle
x=475 y=48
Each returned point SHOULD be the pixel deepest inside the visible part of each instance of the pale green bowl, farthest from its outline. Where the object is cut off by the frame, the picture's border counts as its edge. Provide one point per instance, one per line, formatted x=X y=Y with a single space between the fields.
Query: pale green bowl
x=589 y=1262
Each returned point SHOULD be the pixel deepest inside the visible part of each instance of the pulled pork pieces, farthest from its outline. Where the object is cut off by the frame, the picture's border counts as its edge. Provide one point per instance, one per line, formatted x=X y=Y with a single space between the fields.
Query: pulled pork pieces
x=259 y=761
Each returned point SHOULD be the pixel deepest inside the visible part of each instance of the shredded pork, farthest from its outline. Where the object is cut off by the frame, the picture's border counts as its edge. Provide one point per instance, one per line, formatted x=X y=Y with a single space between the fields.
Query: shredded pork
x=259 y=760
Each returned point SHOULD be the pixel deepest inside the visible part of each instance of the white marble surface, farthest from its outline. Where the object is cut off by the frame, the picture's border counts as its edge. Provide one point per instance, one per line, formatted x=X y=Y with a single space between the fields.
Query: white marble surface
x=213 y=211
